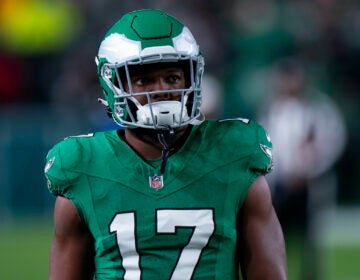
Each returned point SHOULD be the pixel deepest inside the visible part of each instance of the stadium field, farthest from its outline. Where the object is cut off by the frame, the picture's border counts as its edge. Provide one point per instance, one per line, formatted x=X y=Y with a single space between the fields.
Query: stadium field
x=335 y=261
x=339 y=244
x=24 y=249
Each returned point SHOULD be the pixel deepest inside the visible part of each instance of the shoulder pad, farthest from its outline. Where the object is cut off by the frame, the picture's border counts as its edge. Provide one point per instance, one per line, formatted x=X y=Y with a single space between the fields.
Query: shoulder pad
x=251 y=136
x=61 y=164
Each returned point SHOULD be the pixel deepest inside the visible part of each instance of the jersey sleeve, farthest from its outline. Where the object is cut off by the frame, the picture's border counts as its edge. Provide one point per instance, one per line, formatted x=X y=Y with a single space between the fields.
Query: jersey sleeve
x=261 y=161
x=60 y=167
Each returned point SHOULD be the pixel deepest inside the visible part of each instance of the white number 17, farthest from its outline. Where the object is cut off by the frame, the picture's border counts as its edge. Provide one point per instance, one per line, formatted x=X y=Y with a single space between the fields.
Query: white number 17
x=167 y=220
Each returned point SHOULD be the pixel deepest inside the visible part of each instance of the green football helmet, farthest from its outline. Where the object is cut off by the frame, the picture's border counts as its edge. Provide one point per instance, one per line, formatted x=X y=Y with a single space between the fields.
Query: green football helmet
x=146 y=37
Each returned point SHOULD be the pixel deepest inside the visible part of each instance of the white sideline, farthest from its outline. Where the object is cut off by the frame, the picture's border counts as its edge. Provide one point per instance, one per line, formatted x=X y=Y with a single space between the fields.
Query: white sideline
x=338 y=226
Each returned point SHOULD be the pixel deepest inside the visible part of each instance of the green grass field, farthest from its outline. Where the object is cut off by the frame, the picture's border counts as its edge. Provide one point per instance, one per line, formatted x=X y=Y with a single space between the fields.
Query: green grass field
x=24 y=249
x=341 y=263
x=25 y=246
x=335 y=261
x=339 y=242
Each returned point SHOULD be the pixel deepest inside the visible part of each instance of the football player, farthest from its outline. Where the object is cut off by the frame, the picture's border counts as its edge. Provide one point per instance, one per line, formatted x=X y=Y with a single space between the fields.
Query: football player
x=170 y=196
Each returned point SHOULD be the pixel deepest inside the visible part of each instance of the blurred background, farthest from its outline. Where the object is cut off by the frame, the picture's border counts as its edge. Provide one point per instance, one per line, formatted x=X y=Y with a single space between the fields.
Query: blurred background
x=291 y=65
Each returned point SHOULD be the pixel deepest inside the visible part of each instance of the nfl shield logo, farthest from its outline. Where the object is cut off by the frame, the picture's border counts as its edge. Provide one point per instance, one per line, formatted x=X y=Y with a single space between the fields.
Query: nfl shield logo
x=156 y=182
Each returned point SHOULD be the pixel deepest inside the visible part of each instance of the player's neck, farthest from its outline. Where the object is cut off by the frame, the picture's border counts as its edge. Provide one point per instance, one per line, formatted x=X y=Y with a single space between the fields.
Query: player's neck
x=146 y=143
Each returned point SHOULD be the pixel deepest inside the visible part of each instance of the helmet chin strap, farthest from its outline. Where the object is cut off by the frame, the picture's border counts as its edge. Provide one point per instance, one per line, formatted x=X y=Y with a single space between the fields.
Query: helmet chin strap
x=166 y=142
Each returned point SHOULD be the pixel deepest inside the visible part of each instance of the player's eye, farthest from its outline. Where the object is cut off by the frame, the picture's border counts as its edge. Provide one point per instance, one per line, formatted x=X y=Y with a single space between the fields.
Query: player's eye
x=174 y=79
x=141 y=80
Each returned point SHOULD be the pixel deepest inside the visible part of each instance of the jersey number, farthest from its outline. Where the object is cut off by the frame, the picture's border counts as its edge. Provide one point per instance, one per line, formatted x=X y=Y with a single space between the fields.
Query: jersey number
x=167 y=220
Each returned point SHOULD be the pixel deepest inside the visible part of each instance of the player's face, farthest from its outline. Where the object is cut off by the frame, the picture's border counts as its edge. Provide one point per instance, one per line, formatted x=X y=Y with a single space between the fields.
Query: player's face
x=157 y=77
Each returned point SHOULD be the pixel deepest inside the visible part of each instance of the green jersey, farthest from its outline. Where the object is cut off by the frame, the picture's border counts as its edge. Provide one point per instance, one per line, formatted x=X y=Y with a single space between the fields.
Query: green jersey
x=176 y=225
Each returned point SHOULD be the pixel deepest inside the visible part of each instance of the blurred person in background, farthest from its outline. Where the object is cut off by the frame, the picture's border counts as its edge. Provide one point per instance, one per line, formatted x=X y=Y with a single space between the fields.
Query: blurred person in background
x=172 y=195
x=308 y=133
